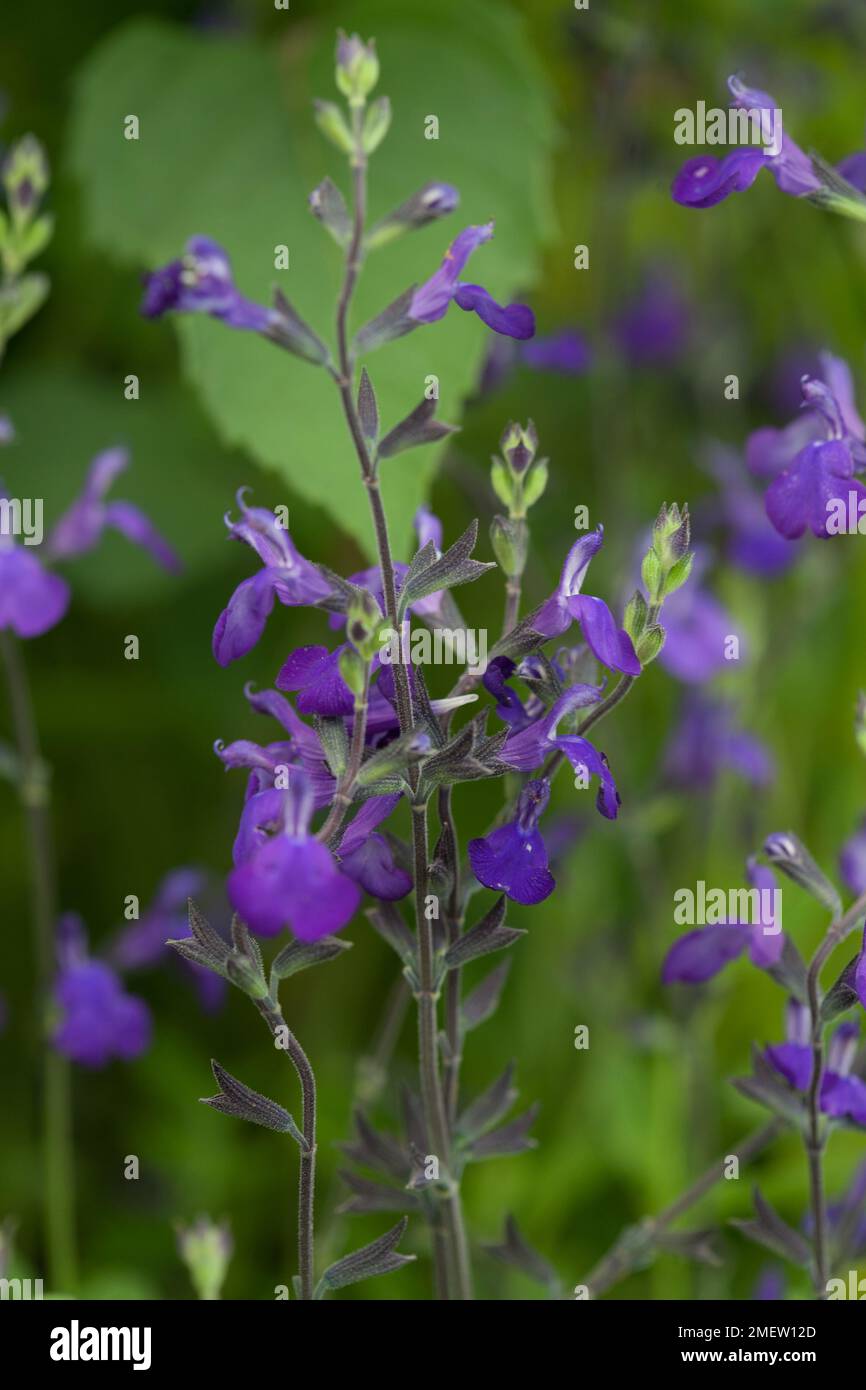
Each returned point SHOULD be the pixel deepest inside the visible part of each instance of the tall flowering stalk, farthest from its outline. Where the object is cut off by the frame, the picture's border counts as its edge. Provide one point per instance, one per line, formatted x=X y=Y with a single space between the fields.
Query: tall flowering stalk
x=378 y=738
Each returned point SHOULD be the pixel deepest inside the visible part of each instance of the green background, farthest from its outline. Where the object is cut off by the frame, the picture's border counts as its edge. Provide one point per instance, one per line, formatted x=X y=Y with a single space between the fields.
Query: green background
x=559 y=124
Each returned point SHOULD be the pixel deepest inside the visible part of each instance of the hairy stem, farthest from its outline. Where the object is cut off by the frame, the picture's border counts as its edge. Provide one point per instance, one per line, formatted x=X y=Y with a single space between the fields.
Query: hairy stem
x=58 y=1158
x=271 y=1013
x=626 y=1255
x=343 y=796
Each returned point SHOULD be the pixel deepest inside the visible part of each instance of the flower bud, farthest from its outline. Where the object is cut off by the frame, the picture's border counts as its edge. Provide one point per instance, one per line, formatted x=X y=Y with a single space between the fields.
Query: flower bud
x=357 y=68
x=353 y=669
x=649 y=644
x=432 y=201
x=206 y=1249
x=25 y=178
x=509 y=540
x=332 y=124
x=364 y=621
x=519 y=446
x=376 y=125
x=784 y=851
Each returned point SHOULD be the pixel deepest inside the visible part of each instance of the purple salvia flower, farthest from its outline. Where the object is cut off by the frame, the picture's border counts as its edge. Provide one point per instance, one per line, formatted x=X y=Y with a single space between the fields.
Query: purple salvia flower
x=610 y=644
x=706 y=741
x=653 y=328
x=81 y=527
x=283 y=875
x=528 y=747
x=201 y=282
x=315 y=673
x=367 y=857
x=754 y=545
x=142 y=943
x=286 y=576
x=842 y=1096
x=699 y=955
x=513 y=859
x=32 y=599
x=431 y=300
x=302 y=749
x=98 y=1020
x=565 y=353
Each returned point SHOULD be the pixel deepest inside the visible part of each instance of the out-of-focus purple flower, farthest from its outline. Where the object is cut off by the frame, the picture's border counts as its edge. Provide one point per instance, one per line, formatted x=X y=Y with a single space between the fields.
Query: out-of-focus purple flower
x=513 y=859
x=612 y=645
x=706 y=741
x=852 y=861
x=753 y=543
x=283 y=875
x=81 y=527
x=286 y=576
x=142 y=943
x=32 y=598
x=699 y=955
x=201 y=282
x=367 y=857
x=770 y=1287
x=98 y=1020
x=431 y=300
x=843 y=1096
x=566 y=353
x=653 y=327
x=812 y=460
x=697 y=628
x=705 y=180
x=528 y=746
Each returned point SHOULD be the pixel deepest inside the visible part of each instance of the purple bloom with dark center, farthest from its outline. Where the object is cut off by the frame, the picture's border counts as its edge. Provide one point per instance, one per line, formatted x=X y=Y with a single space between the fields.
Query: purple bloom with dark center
x=431 y=300
x=705 y=180
x=699 y=955
x=283 y=875
x=201 y=282
x=842 y=1096
x=286 y=576
x=367 y=856
x=852 y=861
x=565 y=353
x=812 y=460
x=98 y=1019
x=653 y=328
x=513 y=859
x=32 y=598
x=706 y=742
x=609 y=643
x=529 y=746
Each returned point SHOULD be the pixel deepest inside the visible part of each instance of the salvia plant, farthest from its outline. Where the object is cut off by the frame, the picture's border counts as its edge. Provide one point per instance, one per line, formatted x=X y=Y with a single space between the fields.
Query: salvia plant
x=356 y=732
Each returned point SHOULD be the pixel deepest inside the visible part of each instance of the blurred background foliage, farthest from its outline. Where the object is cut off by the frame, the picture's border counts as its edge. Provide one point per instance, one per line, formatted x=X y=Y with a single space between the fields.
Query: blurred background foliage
x=558 y=123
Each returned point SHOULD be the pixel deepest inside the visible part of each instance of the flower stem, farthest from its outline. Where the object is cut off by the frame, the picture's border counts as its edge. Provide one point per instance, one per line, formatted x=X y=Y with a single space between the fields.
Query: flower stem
x=58 y=1159
x=272 y=1014
x=343 y=797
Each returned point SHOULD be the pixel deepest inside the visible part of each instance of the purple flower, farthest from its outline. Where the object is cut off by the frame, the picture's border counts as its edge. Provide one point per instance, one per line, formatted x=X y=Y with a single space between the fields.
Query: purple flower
x=528 y=747
x=566 y=353
x=430 y=302
x=699 y=955
x=142 y=943
x=706 y=741
x=315 y=673
x=367 y=857
x=283 y=875
x=704 y=181
x=286 y=576
x=812 y=460
x=754 y=545
x=697 y=628
x=201 y=282
x=852 y=861
x=653 y=329
x=513 y=859
x=610 y=644
x=98 y=1020
x=32 y=598
x=842 y=1096
x=302 y=748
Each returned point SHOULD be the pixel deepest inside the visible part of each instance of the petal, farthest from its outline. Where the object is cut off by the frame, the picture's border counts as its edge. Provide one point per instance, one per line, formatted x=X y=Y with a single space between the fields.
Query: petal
x=294 y=883
x=584 y=757
x=804 y=495
x=372 y=865
x=315 y=672
x=32 y=599
x=511 y=320
x=769 y=450
x=372 y=813
x=511 y=863
x=566 y=352
x=136 y=527
x=793 y=1061
x=852 y=861
x=701 y=954
x=611 y=644
x=844 y=1097
x=704 y=181
x=241 y=624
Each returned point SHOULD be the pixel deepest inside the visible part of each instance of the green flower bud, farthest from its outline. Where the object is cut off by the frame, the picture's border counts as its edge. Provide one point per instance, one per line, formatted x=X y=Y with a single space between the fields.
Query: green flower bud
x=376 y=125
x=535 y=483
x=353 y=669
x=25 y=178
x=635 y=617
x=364 y=619
x=650 y=644
x=502 y=483
x=509 y=540
x=332 y=124
x=357 y=68
x=651 y=574
x=678 y=574
x=519 y=446
x=206 y=1249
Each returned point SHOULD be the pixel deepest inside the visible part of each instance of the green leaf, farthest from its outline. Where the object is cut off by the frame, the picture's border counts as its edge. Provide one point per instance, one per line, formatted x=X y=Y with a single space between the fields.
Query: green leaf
x=229 y=147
